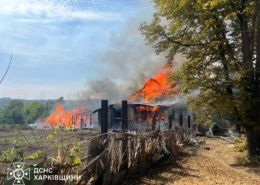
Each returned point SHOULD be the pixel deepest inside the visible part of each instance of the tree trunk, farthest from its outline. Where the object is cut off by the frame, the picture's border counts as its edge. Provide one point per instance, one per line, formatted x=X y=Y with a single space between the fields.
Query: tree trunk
x=253 y=138
x=253 y=133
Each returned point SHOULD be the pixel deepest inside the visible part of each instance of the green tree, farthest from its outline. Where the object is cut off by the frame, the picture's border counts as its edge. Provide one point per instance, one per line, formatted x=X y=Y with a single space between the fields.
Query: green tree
x=60 y=100
x=32 y=111
x=221 y=41
x=12 y=113
x=47 y=108
x=2 y=116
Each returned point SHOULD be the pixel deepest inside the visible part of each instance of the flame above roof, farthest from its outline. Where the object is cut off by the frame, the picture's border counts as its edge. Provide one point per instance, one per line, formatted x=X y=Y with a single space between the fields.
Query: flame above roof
x=152 y=90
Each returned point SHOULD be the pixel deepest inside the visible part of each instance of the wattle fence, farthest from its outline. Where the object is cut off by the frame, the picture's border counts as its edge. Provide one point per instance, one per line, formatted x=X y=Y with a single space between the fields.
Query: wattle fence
x=114 y=157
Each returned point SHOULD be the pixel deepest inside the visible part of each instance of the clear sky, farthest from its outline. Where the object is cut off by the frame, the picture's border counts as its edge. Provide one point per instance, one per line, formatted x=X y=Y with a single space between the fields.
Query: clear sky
x=74 y=48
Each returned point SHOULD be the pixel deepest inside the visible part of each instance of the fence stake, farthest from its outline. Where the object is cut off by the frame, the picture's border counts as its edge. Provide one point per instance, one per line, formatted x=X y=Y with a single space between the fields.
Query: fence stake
x=181 y=121
x=142 y=159
x=104 y=116
x=188 y=121
x=124 y=115
x=170 y=121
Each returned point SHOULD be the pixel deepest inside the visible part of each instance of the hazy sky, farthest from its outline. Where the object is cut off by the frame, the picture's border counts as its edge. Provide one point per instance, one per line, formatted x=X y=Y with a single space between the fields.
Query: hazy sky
x=74 y=48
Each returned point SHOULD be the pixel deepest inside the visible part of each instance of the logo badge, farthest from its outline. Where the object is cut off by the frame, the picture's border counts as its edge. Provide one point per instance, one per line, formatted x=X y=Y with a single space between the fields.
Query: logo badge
x=18 y=174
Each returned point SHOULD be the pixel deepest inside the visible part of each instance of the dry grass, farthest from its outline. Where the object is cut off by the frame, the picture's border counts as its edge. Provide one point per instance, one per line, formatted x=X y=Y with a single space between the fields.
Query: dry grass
x=215 y=166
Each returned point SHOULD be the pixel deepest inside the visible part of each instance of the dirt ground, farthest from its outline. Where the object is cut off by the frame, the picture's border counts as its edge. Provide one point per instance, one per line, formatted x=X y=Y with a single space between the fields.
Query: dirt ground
x=218 y=165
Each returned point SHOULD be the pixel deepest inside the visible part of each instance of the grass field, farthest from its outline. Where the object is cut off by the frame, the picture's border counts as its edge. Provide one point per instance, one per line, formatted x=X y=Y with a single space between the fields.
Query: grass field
x=35 y=145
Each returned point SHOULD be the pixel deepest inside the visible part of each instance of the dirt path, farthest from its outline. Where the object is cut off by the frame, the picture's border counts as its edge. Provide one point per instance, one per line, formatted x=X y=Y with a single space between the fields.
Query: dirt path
x=214 y=166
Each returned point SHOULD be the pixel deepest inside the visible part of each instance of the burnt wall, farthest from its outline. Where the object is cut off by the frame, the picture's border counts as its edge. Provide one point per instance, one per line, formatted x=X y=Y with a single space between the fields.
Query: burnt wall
x=140 y=113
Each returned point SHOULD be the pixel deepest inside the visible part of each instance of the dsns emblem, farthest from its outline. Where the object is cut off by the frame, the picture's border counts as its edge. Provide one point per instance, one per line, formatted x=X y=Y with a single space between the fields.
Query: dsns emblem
x=18 y=174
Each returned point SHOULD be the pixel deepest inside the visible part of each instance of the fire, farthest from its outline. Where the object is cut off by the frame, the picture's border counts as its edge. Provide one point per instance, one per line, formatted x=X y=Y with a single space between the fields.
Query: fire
x=65 y=118
x=154 y=87
x=148 y=113
x=162 y=115
x=160 y=76
x=147 y=108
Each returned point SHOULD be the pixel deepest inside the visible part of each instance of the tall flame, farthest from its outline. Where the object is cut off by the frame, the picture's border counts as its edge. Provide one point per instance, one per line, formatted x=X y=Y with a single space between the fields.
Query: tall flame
x=154 y=87
x=65 y=118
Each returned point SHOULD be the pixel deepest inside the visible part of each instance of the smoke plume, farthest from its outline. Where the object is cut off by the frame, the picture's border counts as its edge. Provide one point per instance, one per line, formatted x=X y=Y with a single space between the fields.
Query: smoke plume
x=126 y=64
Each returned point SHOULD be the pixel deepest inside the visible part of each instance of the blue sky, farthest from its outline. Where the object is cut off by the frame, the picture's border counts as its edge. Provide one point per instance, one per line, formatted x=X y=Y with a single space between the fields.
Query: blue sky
x=74 y=48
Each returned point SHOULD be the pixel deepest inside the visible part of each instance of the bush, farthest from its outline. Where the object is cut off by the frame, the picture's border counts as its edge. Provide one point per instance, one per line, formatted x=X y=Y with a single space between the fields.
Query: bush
x=11 y=154
x=5 y=127
x=13 y=127
x=36 y=155
x=241 y=144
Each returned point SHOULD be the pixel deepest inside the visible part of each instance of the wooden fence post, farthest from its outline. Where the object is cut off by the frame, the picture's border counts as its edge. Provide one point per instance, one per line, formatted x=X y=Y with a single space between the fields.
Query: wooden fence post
x=142 y=159
x=124 y=115
x=170 y=121
x=104 y=116
x=188 y=121
x=181 y=121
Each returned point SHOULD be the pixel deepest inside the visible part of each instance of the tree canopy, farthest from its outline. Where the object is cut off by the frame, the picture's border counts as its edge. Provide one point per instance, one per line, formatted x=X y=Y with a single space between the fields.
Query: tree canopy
x=32 y=111
x=16 y=112
x=220 y=40
x=12 y=113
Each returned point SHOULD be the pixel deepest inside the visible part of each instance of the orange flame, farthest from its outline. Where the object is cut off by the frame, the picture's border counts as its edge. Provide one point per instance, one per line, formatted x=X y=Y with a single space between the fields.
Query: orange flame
x=145 y=112
x=65 y=118
x=153 y=88
x=147 y=108
x=162 y=116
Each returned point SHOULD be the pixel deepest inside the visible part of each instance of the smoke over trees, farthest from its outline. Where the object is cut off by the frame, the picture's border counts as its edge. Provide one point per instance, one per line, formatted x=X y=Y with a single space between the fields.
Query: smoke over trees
x=126 y=64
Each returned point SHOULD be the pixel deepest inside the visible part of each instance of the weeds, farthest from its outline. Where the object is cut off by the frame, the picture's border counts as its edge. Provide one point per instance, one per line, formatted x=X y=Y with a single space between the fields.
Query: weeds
x=244 y=160
x=241 y=146
x=73 y=155
x=12 y=154
x=36 y=155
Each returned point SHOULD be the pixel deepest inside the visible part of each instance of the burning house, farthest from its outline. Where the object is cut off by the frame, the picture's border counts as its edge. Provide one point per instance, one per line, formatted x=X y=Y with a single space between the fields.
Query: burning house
x=138 y=114
x=153 y=104
x=77 y=118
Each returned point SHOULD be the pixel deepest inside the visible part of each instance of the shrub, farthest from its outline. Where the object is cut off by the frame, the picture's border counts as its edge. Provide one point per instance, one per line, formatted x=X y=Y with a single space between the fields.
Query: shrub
x=241 y=144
